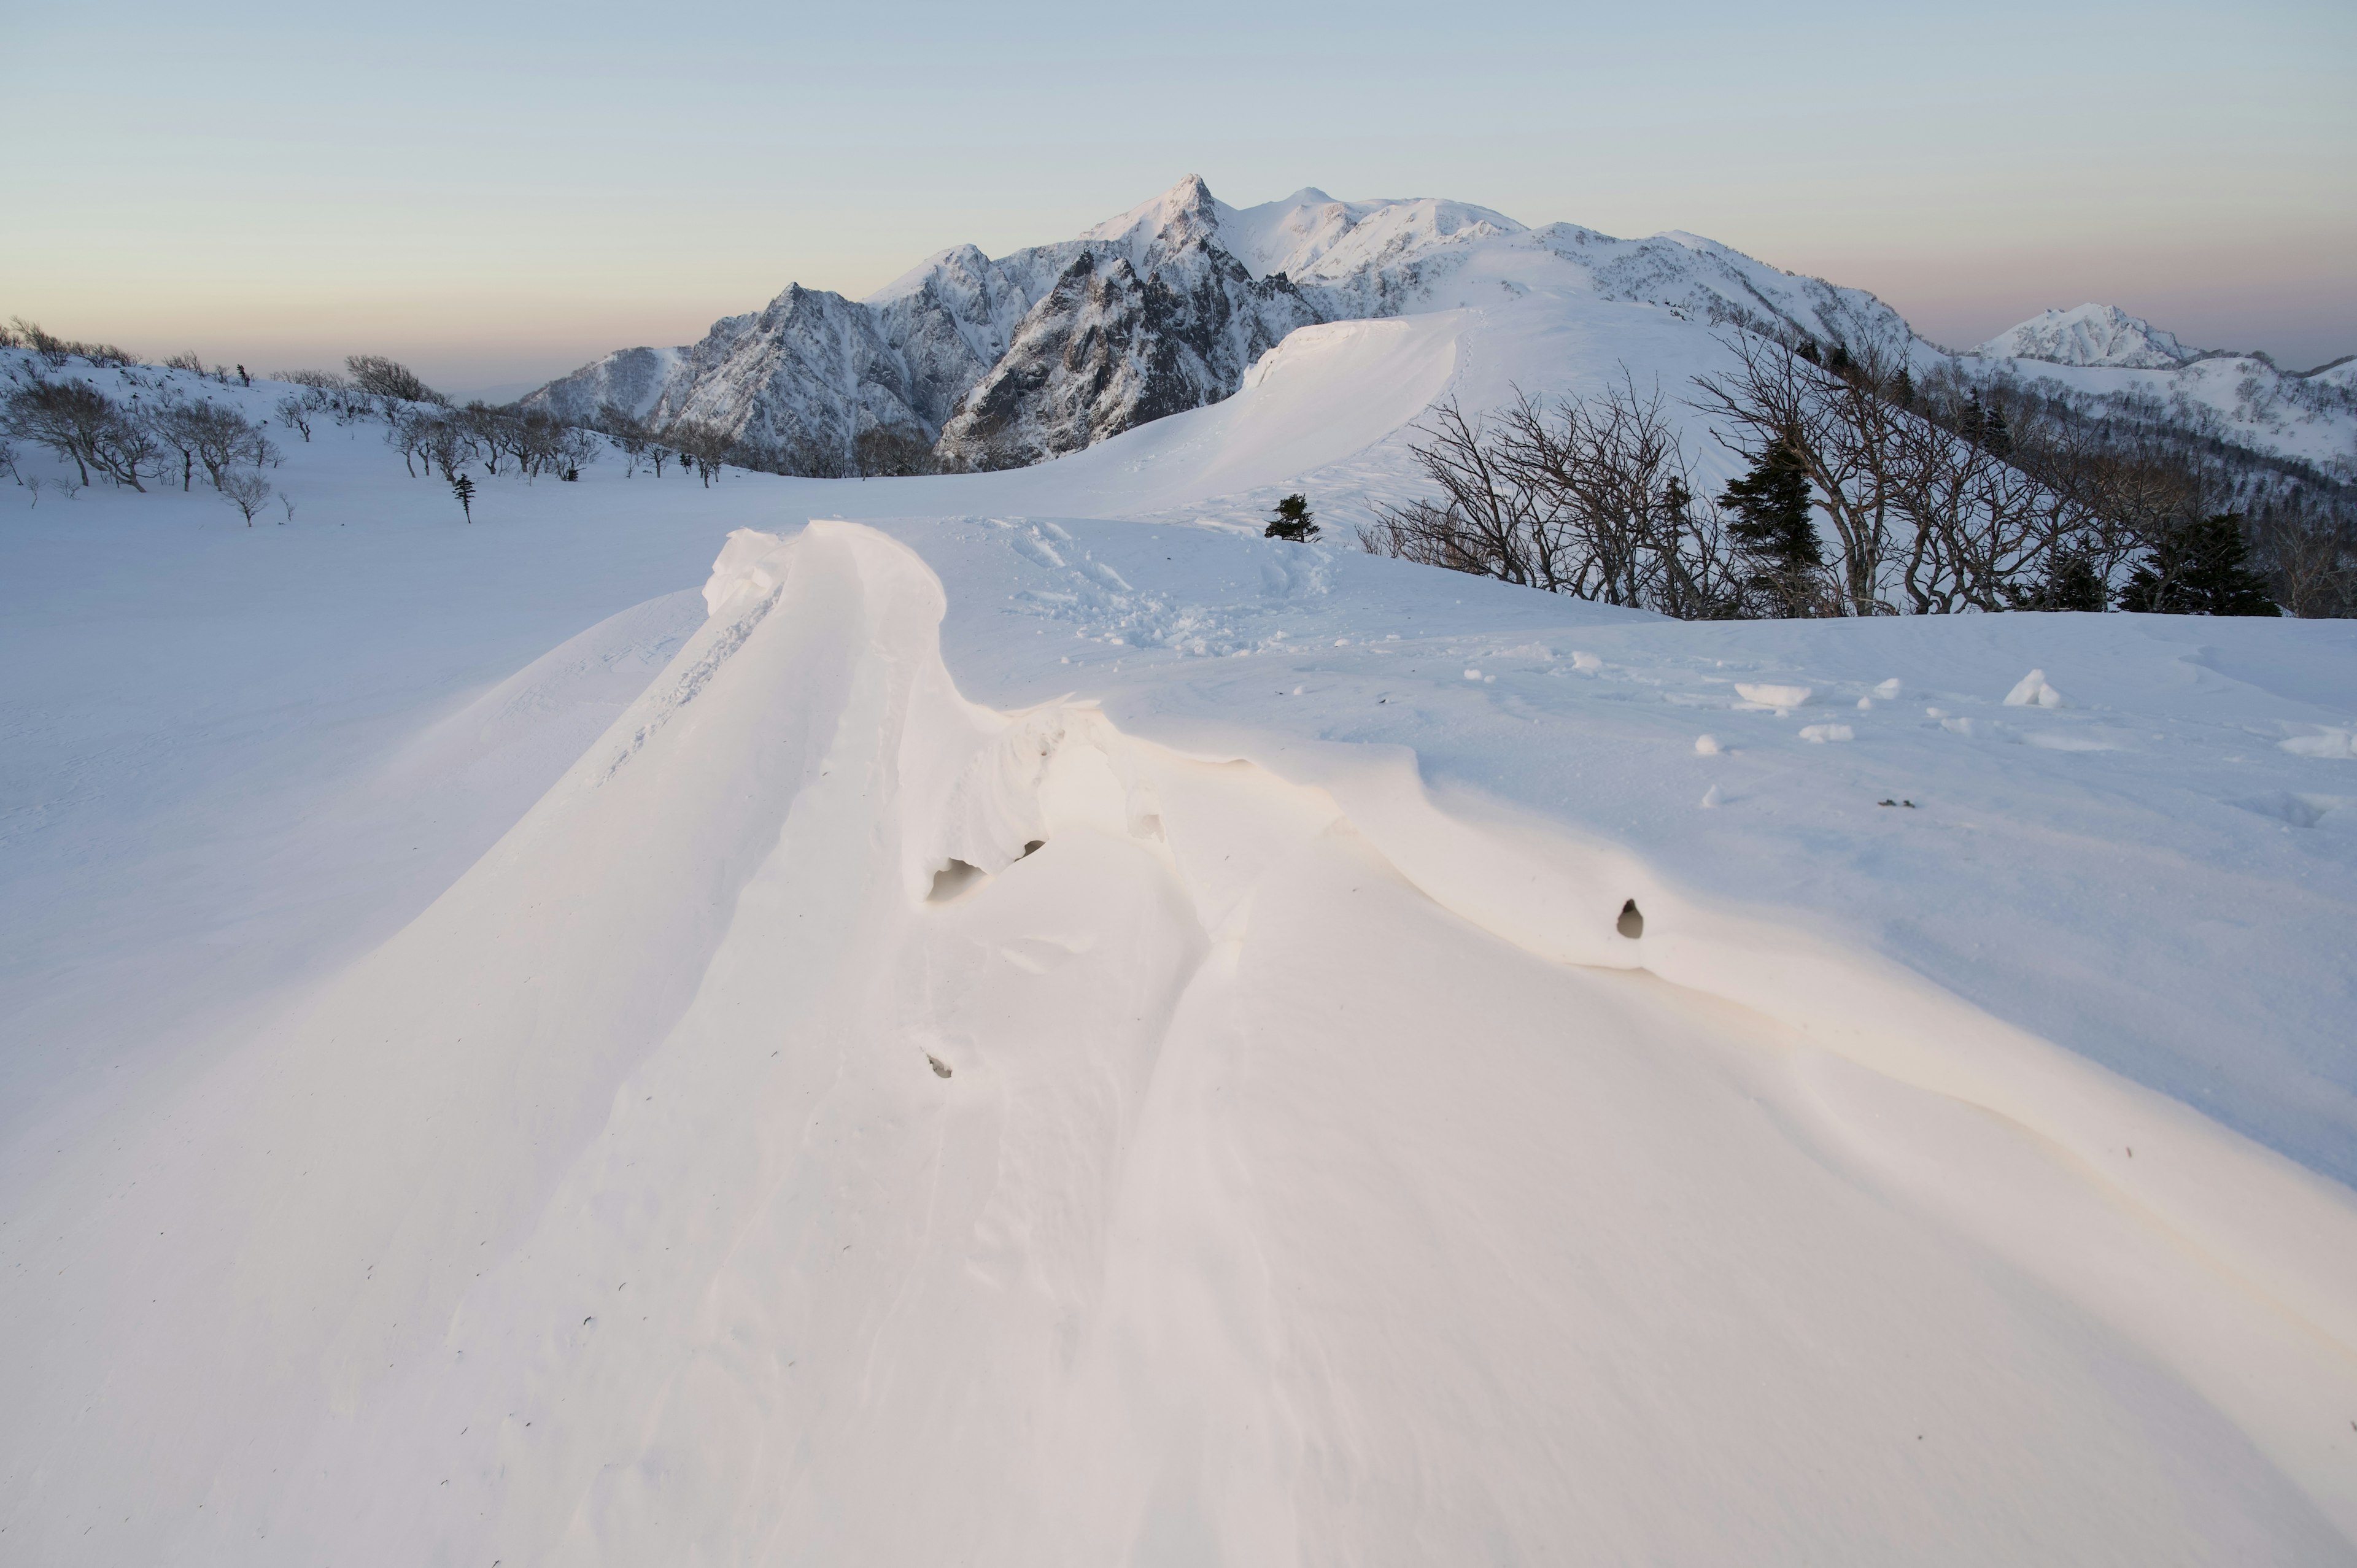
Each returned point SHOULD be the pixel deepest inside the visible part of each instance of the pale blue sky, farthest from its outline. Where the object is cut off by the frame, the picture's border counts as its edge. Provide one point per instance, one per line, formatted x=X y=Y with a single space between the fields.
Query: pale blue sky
x=498 y=192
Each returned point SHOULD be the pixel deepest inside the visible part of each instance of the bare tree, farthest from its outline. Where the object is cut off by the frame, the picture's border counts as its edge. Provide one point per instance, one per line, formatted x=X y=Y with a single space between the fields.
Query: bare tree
x=704 y=445
x=295 y=412
x=629 y=433
x=80 y=424
x=379 y=377
x=892 y=451
x=245 y=489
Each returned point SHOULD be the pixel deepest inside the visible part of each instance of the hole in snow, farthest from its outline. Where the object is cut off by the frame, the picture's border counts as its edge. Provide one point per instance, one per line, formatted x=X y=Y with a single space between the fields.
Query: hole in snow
x=952 y=880
x=1632 y=922
x=1033 y=847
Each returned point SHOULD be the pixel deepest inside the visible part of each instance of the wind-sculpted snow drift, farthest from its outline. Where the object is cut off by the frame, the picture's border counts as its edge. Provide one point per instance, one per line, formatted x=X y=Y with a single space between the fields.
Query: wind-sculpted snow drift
x=845 y=1124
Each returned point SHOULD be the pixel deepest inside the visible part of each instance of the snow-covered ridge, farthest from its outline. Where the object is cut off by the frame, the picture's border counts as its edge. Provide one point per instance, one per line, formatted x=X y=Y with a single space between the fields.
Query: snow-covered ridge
x=2090 y=335
x=1159 y=310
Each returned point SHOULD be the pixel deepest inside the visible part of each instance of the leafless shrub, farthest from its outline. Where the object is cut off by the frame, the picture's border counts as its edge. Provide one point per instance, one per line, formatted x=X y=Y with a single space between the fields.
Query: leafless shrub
x=294 y=414
x=892 y=451
x=81 y=424
x=704 y=445
x=212 y=436
x=379 y=377
x=245 y=489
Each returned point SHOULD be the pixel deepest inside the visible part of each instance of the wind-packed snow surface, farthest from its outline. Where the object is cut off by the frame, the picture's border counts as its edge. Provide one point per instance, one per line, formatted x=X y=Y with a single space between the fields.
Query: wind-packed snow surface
x=1041 y=1027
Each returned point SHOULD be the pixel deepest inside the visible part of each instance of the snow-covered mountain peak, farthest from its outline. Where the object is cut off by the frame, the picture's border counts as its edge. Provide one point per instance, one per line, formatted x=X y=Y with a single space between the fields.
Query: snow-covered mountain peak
x=1184 y=214
x=2092 y=335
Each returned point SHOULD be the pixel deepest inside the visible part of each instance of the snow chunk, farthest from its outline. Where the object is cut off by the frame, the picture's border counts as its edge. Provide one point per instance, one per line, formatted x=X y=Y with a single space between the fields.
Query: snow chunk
x=2033 y=691
x=1772 y=696
x=2323 y=743
x=1821 y=733
x=1706 y=746
x=1587 y=664
x=1887 y=690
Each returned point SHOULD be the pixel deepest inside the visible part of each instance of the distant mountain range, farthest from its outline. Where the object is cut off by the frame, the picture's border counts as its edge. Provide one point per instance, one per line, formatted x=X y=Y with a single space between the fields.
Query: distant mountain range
x=998 y=363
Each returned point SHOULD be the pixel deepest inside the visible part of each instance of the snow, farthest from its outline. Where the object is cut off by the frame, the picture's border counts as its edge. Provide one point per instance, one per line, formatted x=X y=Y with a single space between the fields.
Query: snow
x=2034 y=690
x=479 y=995
x=2090 y=335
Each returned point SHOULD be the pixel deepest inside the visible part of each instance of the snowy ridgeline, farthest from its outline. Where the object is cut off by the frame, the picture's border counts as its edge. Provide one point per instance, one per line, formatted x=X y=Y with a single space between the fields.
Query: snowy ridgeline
x=1053 y=1029
x=993 y=363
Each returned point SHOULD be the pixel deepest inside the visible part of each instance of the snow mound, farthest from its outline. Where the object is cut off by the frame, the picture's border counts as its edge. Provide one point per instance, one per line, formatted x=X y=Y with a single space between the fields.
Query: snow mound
x=1250 y=1152
x=2090 y=335
x=2033 y=691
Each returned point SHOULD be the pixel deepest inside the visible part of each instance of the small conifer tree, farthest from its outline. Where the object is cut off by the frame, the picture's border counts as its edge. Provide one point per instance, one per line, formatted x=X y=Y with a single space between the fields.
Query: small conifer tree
x=1772 y=530
x=2198 y=568
x=2071 y=583
x=1292 y=520
x=462 y=486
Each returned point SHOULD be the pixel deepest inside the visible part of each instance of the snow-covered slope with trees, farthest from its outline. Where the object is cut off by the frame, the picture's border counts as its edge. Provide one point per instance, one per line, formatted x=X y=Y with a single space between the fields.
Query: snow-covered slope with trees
x=1042 y=1027
x=2102 y=352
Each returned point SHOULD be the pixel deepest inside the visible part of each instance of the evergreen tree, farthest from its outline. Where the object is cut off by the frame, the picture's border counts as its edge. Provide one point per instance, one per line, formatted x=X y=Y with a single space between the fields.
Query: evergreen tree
x=462 y=486
x=1773 y=531
x=2071 y=584
x=1292 y=520
x=2198 y=568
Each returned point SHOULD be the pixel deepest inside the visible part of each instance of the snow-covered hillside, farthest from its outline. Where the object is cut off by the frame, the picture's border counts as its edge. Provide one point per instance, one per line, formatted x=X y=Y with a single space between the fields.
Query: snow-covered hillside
x=2100 y=349
x=1026 y=1023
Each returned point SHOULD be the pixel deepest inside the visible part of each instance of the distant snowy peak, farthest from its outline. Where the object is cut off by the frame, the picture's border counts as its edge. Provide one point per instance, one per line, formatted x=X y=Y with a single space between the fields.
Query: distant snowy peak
x=2090 y=335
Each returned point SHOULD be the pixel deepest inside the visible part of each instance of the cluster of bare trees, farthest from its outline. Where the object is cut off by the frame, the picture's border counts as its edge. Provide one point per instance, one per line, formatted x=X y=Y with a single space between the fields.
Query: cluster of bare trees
x=1867 y=493
x=54 y=351
x=1932 y=501
x=1592 y=498
x=526 y=442
x=127 y=443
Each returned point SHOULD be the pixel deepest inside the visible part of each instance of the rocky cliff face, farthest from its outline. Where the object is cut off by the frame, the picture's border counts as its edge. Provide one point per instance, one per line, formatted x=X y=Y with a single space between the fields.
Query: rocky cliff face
x=1135 y=326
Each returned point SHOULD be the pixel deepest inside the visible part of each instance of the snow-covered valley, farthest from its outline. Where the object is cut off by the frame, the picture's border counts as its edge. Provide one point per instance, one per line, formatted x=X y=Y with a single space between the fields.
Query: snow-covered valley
x=1023 y=1021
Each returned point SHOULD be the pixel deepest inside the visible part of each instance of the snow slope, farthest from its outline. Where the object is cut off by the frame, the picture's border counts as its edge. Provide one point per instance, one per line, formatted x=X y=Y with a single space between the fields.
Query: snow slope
x=476 y=1003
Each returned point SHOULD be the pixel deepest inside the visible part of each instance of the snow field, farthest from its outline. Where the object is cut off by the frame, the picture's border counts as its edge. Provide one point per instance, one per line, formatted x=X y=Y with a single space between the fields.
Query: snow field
x=1955 y=1162
x=1272 y=1206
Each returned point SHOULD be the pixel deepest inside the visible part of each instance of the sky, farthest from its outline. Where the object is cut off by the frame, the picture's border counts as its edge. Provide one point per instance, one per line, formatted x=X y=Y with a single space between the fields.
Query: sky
x=497 y=193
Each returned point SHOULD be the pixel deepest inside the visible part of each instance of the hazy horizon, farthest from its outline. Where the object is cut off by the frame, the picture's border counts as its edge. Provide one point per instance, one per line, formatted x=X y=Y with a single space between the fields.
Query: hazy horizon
x=499 y=198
